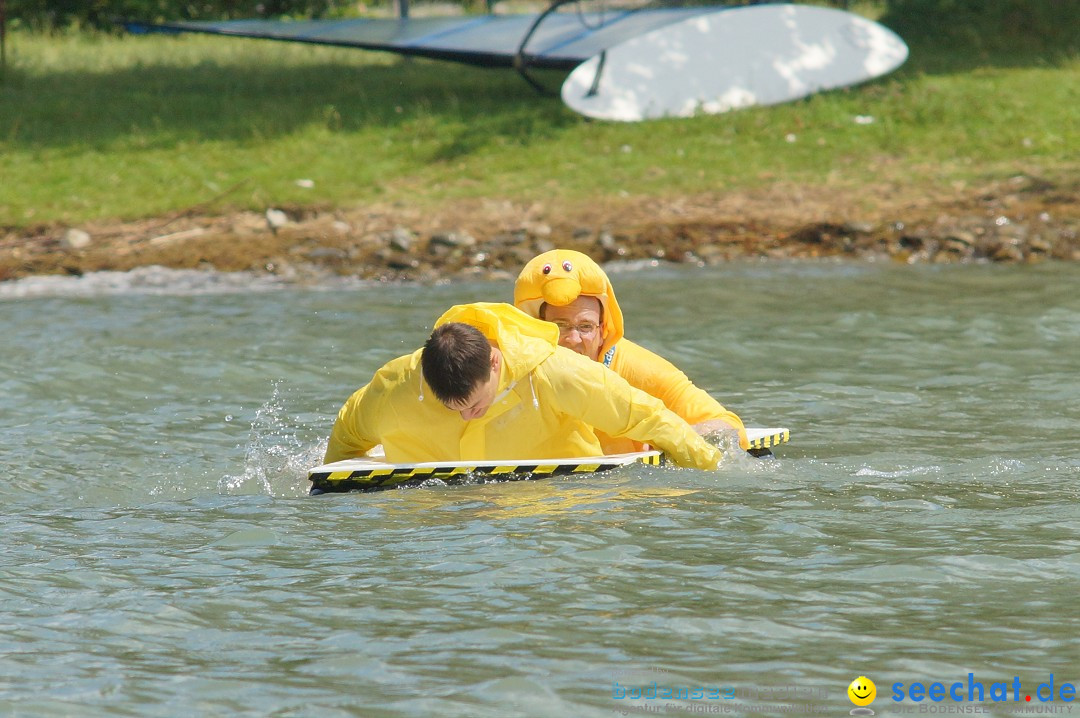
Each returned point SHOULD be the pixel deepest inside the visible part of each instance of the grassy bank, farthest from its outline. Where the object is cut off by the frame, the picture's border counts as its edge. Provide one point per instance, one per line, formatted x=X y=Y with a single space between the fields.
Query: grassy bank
x=98 y=127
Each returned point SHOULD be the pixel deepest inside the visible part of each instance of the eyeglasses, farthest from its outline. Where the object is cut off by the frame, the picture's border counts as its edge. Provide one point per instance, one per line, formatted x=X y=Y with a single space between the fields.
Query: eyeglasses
x=585 y=329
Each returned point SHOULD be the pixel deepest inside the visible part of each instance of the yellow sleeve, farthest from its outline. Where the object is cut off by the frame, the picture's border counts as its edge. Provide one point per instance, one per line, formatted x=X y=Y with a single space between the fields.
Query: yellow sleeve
x=604 y=400
x=655 y=375
x=351 y=436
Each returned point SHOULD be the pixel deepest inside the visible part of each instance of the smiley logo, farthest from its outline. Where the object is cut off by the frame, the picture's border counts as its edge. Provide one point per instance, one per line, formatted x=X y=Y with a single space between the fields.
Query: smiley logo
x=862 y=691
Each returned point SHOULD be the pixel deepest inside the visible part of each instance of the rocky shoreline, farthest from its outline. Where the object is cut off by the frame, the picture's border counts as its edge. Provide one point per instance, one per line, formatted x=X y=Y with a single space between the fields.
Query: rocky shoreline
x=1023 y=219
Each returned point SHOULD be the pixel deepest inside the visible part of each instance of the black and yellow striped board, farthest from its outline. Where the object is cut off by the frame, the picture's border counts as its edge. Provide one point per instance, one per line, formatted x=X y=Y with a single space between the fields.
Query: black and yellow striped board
x=374 y=475
x=763 y=440
x=371 y=475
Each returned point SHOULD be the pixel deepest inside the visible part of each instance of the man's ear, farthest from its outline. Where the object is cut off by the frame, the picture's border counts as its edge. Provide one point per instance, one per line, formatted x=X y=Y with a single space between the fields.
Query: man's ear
x=496 y=359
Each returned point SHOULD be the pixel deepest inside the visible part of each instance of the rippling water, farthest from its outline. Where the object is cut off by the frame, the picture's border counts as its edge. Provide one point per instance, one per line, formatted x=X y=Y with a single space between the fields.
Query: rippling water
x=161 y=556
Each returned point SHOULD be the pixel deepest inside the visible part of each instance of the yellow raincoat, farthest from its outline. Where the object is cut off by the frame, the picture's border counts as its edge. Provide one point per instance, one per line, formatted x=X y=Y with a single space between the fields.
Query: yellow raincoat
x=571 y=274
x=549 y=399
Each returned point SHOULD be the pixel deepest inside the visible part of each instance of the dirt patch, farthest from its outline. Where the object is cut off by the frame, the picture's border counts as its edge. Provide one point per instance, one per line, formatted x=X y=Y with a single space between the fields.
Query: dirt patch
x=1023 y=219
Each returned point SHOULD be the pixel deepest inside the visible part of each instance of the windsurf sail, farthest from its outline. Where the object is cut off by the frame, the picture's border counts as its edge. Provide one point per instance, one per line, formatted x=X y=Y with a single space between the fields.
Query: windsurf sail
x=630 y=64
x=561 y=41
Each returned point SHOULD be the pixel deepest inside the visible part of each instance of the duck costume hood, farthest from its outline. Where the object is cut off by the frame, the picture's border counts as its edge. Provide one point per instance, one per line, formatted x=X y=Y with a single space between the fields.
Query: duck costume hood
x=559 y=277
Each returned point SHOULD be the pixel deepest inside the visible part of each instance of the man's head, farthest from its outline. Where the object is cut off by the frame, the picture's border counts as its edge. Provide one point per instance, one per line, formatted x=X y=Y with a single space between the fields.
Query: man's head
x=580 y=325
x=552 y=283
x=462 y=369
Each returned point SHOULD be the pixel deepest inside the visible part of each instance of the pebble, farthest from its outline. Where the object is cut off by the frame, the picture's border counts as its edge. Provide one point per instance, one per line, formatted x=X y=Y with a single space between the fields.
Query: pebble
x=276 y=219
x=75 y=239
x=372 y=247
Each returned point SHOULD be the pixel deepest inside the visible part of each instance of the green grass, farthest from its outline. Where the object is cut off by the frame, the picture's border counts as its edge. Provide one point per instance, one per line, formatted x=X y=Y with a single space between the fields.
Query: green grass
x=101 y=127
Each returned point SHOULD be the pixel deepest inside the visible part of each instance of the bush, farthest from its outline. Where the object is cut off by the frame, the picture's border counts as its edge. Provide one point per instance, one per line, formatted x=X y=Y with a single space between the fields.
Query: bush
x=987 y=24
x=102 y=14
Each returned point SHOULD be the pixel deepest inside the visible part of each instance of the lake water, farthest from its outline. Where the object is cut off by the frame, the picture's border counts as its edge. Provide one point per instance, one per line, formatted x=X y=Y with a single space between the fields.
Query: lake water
x=161 y=556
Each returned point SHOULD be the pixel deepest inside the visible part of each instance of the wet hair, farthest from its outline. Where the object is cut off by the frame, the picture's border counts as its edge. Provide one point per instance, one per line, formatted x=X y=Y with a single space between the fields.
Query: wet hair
x=456 y=358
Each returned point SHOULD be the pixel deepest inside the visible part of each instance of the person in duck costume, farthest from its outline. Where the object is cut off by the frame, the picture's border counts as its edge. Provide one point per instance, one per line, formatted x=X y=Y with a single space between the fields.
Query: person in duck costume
x=571 y=290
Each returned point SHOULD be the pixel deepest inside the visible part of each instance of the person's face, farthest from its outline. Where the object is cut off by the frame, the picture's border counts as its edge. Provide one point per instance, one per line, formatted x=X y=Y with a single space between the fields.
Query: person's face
x=479 y=401
x=579 y=325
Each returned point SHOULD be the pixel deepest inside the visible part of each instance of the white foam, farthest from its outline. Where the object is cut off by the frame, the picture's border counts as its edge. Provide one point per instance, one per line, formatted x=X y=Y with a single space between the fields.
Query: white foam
x=900 y=473
x=158 y=280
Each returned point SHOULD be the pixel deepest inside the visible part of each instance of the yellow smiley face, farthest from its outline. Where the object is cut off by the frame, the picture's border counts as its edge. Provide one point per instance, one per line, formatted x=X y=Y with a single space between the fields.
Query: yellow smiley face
x=862 y=691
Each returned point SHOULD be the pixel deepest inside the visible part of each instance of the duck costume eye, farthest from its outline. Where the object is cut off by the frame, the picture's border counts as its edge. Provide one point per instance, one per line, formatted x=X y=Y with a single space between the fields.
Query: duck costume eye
x=567 y=266
x=547 y=269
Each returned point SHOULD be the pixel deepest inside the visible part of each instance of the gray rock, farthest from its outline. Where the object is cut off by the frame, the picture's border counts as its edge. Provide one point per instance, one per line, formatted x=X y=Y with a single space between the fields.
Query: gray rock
x=961 y=237
x=397 y=260
x=1039 y=244
x=276 y=219
x=1007 y=253
x=453 y=239
x=858 y=227
x=75 y=239
x=326 y=253
x=401 y=239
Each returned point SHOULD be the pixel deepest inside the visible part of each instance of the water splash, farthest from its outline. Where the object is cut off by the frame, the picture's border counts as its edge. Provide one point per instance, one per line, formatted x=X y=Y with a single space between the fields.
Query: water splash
x=898 y=473
x=734 y=457
x=277 y=457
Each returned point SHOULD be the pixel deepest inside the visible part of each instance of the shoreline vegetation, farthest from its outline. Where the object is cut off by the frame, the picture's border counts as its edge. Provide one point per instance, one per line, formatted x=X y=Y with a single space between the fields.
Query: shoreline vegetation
x=200 y=152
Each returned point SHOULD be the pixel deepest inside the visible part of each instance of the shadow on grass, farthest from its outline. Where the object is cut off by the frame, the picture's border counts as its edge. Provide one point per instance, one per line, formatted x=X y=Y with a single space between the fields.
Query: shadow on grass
x=163 y=105
x=459 y=109
x=964 y=35
x=933 y=58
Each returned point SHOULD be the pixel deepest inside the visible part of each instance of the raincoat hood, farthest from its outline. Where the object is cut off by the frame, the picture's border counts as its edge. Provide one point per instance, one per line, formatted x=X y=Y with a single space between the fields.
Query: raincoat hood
x=524 y=341
x=559 y=277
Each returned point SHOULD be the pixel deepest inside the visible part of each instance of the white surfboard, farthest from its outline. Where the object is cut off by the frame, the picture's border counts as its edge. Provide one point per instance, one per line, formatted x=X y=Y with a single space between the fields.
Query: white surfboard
x=734 y=57
x=374 y=475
